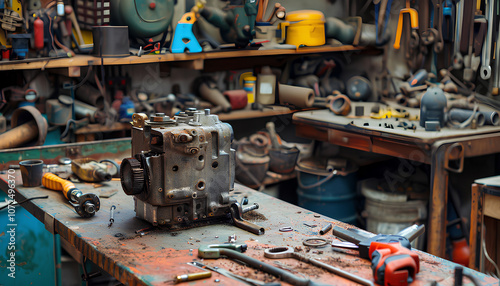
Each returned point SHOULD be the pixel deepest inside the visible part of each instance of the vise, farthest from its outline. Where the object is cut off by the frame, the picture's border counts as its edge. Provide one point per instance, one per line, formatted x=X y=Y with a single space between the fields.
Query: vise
x=182 y=169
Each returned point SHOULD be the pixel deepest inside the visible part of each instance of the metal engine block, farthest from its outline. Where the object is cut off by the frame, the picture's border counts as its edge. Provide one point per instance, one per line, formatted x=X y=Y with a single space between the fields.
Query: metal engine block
x=182 y=169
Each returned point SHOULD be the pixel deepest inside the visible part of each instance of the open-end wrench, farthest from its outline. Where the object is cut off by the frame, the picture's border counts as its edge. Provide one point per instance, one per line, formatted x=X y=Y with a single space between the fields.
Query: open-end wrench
x=288 y=252
x=486 y=55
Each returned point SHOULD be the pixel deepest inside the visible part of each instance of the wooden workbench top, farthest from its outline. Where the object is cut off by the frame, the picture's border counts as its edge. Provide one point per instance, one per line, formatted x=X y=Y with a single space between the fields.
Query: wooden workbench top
x=138 y=254
x=387 y=127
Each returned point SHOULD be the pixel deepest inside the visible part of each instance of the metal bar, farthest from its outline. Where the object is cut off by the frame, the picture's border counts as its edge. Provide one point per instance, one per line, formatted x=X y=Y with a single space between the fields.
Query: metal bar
x=348 y=235
x=436 y=235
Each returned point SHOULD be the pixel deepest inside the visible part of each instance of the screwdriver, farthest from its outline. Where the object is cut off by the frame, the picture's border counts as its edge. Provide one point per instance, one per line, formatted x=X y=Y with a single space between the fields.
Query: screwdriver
x=86 y=205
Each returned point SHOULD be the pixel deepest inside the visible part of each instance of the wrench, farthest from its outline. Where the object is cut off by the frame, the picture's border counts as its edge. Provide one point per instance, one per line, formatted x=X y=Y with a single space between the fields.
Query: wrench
x=438 y=12
x=486 y=55
x=458 y=59
x=288 y=252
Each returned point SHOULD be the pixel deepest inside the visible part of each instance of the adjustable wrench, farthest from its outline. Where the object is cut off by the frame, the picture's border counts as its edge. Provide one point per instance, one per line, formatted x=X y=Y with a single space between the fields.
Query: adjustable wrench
x=486 y=55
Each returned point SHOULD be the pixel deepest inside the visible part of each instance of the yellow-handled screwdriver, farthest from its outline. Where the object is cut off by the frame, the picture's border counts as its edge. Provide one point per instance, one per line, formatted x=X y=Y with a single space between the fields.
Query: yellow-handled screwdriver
x=86 y=205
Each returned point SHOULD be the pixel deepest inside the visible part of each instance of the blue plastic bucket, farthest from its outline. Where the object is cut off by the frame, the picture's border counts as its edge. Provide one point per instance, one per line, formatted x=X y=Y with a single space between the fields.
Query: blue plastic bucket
x=332 y=194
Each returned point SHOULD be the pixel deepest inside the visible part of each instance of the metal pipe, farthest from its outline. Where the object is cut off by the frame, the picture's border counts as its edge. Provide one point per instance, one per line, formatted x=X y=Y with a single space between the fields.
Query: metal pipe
x=462 y=115
x=326 y=229
x=18 y=136
x=491 y=118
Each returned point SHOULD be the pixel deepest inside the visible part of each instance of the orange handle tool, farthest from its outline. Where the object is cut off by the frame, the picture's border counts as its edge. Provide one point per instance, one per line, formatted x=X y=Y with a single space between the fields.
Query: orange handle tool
x=413 y=22
x=86 y=205
x=53 y=182
x=393 y=264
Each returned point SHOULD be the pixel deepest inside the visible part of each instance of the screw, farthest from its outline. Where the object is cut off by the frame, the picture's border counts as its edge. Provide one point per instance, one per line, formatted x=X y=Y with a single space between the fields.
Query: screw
x=111 y=215
x=250 y=208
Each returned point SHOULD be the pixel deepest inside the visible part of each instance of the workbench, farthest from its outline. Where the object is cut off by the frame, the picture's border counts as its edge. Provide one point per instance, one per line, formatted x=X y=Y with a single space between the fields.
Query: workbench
x=136 y=253
x=443 y=150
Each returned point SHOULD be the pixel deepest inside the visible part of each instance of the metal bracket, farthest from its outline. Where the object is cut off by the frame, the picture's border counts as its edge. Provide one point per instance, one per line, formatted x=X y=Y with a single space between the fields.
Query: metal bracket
x=236 y=212
x=454 y=158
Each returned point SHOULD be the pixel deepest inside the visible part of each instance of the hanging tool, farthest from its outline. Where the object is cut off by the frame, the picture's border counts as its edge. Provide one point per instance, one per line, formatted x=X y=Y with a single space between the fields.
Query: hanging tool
x=86 y=205
x=486 y=55
x=448 y=26
x=448 y=20
x=382 y=14
x=233 y=251
x=230 y=274
x=393 y=262
x=458 y=59
x=289 y=252
x=480 y=27
x=413 y=22
x=427 y=32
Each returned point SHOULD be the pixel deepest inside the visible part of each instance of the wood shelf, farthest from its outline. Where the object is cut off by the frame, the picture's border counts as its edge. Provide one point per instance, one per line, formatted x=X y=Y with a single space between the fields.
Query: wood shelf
x=246 y=114
x=196 y=59
x=233 y=115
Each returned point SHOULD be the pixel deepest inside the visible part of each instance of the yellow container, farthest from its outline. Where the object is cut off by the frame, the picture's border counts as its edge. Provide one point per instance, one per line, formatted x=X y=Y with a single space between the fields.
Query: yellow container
x=303 y=28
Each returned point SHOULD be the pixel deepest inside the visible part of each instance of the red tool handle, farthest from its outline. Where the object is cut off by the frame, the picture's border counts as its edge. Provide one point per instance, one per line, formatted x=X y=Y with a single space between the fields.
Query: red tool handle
x=393 y=264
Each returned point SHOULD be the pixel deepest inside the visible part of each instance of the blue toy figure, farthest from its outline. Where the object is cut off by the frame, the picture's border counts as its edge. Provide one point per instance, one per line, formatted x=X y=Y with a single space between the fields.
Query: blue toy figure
x=184 y=37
